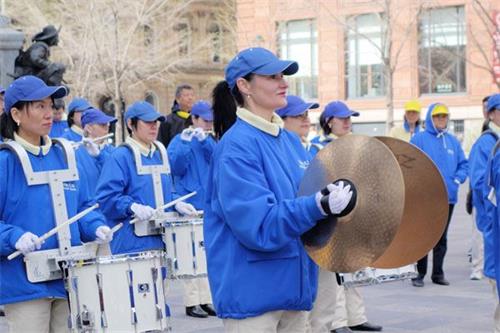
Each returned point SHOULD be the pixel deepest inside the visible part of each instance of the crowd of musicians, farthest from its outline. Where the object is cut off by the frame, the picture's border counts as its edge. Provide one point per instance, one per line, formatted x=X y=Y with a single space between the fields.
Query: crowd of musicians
x=244 y=154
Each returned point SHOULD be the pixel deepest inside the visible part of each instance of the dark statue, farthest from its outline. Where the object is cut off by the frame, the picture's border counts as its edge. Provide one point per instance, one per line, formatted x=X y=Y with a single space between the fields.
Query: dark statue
x=35 y=60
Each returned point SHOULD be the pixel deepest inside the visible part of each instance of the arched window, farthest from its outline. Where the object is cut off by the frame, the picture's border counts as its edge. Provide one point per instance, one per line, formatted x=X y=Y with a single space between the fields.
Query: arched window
x=148 y=35
x=152 y=99
x=183 y=31
x=215 y=34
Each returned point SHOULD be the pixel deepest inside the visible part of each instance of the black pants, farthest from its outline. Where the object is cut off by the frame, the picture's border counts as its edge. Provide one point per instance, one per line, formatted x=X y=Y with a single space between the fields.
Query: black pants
x=437 y=254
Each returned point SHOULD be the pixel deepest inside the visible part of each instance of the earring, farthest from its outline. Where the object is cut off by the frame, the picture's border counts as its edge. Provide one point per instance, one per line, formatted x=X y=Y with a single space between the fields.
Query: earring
x=18 y=123
x=248 y=96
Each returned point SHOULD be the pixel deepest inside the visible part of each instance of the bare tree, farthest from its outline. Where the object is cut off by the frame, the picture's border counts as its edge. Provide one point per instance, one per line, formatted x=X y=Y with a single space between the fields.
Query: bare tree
x=491 y=29
x=116 y=47
x=387 y=13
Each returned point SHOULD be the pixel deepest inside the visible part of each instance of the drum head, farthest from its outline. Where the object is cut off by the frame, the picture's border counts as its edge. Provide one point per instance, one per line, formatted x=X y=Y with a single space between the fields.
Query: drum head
x=364 y=234
x=425 y=210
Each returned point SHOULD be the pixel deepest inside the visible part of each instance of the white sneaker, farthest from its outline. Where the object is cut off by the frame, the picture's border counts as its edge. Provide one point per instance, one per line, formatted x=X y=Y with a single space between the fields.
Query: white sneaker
x=475 y=276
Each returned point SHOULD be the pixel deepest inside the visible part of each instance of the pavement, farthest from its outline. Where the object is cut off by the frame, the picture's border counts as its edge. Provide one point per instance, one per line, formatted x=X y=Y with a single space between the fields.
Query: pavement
x=463 y=307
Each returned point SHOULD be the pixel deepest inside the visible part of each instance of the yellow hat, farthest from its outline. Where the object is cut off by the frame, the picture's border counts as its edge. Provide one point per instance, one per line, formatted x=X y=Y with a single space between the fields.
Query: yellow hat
x=413 y=105
x=440 y=109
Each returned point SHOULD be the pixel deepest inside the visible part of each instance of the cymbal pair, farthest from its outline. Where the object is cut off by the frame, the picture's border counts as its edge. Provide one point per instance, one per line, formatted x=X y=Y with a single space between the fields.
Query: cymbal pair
x=401 y=207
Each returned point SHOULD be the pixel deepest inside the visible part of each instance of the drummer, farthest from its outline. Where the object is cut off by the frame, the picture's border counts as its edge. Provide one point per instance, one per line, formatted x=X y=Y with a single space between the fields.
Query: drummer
x=261 y=278
x=295 y=117
x=75 y=109
x=93 y=154
x=122 y=192
x=189 y=153
x=27 y=211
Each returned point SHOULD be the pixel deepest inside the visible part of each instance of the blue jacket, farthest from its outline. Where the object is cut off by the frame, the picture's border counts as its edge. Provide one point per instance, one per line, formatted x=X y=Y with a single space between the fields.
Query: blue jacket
x=29 y=208
x=72 y=135
x=189 y=166
x=119 y=187
x=478 y=159
x=493 y=249
x=90 y=166
x=58 y=129
x=253 y=222
x=446 y=153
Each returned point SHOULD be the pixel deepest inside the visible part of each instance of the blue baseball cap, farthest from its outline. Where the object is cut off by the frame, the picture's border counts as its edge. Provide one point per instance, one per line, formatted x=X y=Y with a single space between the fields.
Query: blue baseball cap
x=260 y=61
x=493 y=103
x=96 y=116
x=295 y=106
x=29 y=88
x=203 y=109
x=338 y=109
x=144 y=111
x=79 y=104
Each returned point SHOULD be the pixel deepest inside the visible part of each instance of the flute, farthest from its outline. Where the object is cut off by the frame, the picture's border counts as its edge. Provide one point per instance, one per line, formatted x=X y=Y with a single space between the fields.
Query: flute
x=78 y=144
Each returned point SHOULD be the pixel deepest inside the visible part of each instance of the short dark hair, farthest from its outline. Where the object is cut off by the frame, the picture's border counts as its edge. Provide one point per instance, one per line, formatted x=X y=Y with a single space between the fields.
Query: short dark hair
x=486 y=99
x=182 y=87
x=133 y=122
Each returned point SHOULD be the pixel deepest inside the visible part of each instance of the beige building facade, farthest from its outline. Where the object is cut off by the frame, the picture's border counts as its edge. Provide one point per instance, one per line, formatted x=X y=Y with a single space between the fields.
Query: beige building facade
x=442 y=51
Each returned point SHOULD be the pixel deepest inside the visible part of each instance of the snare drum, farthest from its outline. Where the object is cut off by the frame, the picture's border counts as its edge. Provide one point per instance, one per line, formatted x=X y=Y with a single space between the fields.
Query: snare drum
x=121 y=293
x=185 y=250
x=370 y=276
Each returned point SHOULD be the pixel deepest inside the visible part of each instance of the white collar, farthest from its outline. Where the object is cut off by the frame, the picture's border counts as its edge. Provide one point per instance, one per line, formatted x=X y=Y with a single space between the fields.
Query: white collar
x=77 y=130
x=273 y=127
x=31 y=148
x=145 y=151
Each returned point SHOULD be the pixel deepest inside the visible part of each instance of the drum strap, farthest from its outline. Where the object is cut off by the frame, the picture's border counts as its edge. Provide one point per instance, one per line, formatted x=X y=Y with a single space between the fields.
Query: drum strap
x=55 y=179
x=154 y=170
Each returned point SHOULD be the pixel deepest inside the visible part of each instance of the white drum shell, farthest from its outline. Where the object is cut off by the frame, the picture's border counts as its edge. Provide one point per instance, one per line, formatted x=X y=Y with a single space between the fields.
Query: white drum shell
x=185 y=249
x=370 y=276
x=117 y=290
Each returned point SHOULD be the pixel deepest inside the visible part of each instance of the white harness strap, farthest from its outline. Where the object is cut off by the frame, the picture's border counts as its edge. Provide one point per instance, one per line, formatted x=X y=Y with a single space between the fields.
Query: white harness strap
x=56 y=180
x=155 y=171
x=44 y=265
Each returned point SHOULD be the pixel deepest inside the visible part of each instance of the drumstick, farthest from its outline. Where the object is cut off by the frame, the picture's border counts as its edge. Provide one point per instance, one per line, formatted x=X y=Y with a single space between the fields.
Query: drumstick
x=77 y=144
x=170 y=204
x=56 y=229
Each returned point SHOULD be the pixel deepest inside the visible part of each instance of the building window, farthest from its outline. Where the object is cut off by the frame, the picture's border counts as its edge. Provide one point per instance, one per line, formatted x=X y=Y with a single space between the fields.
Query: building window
x=457 y=128
x=148 y=35
x=364 y=67
x=441 y=55
x=216 y=42
x=298 y=41
x=183 y=38
x=151 y=98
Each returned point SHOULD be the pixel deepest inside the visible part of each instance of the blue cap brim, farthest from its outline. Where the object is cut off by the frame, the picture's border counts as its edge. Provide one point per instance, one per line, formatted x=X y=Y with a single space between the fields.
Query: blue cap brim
x=151 y=117
x=287 y=67
x=42 y=93
x=105 y=119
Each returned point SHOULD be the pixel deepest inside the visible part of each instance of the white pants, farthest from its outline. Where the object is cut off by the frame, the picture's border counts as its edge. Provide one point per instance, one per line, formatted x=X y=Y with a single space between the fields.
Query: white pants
x=269 y=322
x=349 y=309
x=496 y=316
x=196 y=291
x=38 y=316
x=321 y=316
x=477 y=249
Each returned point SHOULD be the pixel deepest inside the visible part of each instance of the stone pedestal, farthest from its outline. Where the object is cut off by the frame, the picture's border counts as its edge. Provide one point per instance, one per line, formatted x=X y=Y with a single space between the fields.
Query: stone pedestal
x=10 y=42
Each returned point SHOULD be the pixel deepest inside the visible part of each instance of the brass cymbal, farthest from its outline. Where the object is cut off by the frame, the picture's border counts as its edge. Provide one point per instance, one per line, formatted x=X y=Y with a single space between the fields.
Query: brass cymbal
x=425 y=210
x=363 y=235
